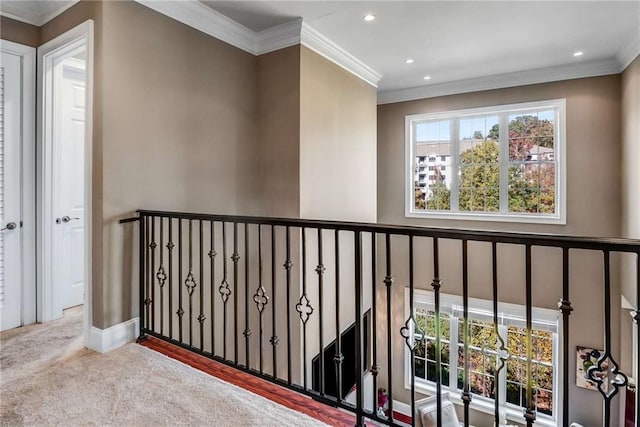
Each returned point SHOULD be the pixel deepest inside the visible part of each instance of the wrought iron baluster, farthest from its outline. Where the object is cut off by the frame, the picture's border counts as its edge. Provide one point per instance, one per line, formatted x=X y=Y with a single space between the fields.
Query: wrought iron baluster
x=190 y=283
x=235 y=258
x=530 y=410
x=224 y=290
x=436 y=284
x=359 y=332
x=170 y=246
x=304 y=308
x=260 y=298
x=606 y=366
x=180 y=311
x=161 y=275
x=466 y=392
x=141 y=271
x=287 y=266
x=247 y=330
x=148 y=271
x=565 y=308
x=338 y=358
x=201 y=316
x=388 y=281
x=374 y=362
x=412 y=332
x=152 y=248
x=320 y=269
x=274 y=336
x=212 y=261
x=502 y=352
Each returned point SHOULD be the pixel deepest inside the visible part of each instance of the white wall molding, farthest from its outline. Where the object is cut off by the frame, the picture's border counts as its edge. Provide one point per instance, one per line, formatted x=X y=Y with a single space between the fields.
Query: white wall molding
x=278 y=37
x=314 y=40
x=37 y=15
x=629 y=52
x=401 y=408
x=105 y=340
x=521 y=78
x=202 y=18
x=196 y=15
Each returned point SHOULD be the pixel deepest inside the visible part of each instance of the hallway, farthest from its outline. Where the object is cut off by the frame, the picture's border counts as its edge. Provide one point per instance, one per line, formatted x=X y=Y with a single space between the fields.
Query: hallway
x=47 y=377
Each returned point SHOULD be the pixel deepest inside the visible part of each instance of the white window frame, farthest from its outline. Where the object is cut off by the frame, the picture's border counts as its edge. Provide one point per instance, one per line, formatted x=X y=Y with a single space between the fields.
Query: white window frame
x=541 y=316
x=560 y=215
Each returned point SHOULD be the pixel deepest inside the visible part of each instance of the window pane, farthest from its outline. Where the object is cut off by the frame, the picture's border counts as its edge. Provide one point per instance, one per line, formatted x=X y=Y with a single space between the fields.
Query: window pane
x=544 y=402
x=431 y=373
x=420 y=368
x=479 y=168
x=433 y=190
x=530 y=183
x=544 y=377
x=530 y=139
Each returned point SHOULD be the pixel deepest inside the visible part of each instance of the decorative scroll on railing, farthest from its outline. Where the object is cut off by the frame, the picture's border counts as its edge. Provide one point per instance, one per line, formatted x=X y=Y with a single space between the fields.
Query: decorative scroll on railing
x=271 y=296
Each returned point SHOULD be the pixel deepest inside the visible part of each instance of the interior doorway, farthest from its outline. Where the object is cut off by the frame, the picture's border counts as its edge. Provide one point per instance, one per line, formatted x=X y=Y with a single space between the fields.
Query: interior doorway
x=64 y=174
x=17 y=185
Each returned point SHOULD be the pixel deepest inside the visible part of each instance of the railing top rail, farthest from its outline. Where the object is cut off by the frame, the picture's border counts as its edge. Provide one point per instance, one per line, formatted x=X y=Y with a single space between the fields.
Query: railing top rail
x=549 y=240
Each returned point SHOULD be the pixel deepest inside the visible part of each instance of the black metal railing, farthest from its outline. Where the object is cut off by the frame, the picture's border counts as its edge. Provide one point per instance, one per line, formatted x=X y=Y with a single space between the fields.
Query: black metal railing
x=210 y=283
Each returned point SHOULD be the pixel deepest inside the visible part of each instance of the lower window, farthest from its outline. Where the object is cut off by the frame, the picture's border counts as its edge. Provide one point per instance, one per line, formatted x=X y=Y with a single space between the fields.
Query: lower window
x=484 y=344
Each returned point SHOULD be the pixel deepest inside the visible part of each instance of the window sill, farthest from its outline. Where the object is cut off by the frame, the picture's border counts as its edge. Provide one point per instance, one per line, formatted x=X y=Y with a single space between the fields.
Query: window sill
x=482 y=405
x=493 y=217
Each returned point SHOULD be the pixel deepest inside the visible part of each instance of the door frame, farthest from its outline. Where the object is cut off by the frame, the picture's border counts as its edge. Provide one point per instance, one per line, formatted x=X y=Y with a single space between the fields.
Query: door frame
x=27 y=56
x=49 y=307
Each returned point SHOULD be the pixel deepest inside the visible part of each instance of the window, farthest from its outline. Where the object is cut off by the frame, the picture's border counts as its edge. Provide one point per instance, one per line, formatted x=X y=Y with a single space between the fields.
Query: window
x=483 y=354
x=508 y=163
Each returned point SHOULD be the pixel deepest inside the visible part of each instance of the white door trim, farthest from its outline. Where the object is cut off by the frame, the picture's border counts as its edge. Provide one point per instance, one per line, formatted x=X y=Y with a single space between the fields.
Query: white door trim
x=27 y=55
x=47 y=53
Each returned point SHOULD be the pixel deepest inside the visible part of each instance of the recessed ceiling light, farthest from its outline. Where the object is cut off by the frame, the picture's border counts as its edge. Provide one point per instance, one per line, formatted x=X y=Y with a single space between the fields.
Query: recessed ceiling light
x=369 y=17
x=409 y=61
x=578 y=53
x=427 y=77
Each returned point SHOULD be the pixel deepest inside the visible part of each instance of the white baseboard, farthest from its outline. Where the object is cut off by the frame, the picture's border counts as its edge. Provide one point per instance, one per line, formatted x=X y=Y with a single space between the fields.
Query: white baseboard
x=104 y=340
x=402 y=408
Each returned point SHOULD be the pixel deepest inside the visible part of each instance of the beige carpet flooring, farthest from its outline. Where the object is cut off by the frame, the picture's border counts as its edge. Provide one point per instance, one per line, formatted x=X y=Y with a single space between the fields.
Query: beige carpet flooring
x=48 y=378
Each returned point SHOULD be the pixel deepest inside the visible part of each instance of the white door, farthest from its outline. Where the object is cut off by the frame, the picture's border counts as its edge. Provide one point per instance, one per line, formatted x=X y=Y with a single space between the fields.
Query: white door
x=68 y=184
x=10 y=189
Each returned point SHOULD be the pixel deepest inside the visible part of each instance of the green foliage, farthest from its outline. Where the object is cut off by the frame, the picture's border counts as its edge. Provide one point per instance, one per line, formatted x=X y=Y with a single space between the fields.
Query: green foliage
x=419 y=196
x=480 y=178
x=483 y=363
x=440 y=198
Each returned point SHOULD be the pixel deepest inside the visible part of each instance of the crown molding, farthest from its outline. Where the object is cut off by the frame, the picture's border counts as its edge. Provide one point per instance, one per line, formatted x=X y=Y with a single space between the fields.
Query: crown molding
x=314 y=40
x=197 y=15
x=629 y=52
x=207 y=20
x=278 y=37
x=521 y=78
x=24 y=12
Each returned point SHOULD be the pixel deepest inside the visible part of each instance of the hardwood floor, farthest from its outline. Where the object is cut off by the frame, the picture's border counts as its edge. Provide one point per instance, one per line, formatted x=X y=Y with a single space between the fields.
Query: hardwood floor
x=273 y=392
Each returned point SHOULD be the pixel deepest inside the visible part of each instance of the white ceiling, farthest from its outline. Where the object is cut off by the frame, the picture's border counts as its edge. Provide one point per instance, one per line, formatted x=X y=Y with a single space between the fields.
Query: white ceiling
x=462 y=45
x=457 y=40
x=34 y=12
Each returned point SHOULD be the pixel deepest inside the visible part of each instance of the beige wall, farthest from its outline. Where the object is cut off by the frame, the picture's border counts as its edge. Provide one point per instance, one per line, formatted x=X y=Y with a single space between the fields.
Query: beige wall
x=19 y=32
x=631 y=161
x=593 y=144
x=179 y=123
x=593 y=208
x=630 y=195
x=337 y=142
x=277 y=144
x=631 y=150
